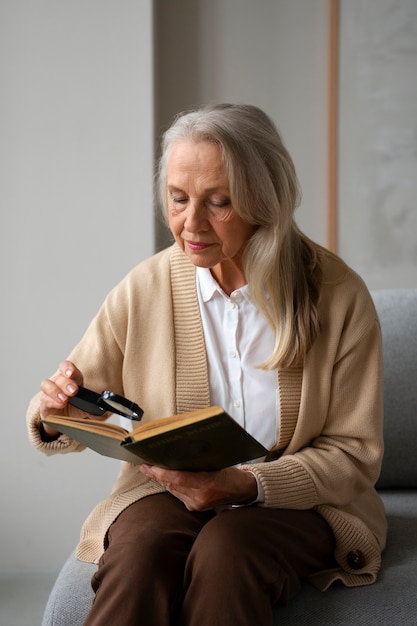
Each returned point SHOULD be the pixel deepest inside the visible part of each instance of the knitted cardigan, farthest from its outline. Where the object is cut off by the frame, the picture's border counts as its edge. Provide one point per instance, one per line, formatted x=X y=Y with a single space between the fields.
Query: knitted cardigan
x=147 y=343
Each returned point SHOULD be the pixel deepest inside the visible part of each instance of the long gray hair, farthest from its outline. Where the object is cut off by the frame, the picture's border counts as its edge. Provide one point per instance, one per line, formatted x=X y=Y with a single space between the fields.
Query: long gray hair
x=280 y=263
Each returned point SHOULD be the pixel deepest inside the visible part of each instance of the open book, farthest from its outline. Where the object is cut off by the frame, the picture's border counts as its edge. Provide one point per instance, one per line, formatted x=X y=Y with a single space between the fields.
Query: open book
x=204 y=440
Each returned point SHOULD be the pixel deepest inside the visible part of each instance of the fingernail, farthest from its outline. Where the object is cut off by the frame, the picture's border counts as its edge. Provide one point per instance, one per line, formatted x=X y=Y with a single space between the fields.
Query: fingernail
x=71 y=388
x=68 y=373
x=62 y=397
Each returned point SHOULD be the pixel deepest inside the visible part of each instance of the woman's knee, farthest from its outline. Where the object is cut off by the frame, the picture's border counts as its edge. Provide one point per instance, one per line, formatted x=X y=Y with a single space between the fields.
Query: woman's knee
x=155 y=519
x=234 y=572
x=153 y=532
x=222 y=543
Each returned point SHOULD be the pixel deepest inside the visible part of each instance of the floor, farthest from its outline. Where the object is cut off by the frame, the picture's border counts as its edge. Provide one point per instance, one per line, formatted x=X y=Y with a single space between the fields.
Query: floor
x=23 y=599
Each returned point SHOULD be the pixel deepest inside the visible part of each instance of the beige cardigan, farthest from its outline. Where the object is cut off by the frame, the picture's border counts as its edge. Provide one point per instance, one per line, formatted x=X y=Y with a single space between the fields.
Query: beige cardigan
x=147 y=343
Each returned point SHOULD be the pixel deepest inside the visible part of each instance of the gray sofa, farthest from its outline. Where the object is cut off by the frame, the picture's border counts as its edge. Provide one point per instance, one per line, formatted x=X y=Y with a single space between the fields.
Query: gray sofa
x=393 y=598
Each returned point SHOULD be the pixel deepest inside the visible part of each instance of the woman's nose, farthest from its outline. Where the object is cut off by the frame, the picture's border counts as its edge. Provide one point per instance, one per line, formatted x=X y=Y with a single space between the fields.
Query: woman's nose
x=195 y=218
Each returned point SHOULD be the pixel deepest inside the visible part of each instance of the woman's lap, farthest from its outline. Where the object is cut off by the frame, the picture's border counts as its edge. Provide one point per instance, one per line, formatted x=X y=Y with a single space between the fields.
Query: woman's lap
x=230 y=567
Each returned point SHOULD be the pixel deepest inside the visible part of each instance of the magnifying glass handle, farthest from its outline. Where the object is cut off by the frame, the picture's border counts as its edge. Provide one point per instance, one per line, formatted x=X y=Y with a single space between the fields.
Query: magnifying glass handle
x=87 y=401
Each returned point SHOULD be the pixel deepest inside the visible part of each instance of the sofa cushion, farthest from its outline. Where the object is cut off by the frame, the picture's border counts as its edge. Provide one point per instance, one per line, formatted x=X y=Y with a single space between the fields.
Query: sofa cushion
x=391 y=600
x=397 y=310
x=72 y=595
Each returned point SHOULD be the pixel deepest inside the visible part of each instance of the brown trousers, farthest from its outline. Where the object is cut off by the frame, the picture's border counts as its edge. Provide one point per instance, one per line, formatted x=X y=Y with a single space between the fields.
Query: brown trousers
x=166 y=566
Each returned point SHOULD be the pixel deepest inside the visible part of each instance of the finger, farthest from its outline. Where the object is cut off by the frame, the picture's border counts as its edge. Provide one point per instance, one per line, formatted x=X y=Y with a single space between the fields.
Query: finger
x=176 y=479
x=52 y=397
x=57 y=389
x=69 y=370
x=157 y=473
x=68 y=379
x=189 y=487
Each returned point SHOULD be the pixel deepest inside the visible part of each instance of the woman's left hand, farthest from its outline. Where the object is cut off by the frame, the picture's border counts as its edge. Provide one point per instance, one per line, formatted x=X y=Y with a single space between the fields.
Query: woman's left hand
x=201 y=491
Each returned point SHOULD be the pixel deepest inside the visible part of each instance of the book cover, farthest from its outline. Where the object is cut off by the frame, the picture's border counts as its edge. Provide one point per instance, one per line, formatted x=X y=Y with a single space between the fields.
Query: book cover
x=204 y=440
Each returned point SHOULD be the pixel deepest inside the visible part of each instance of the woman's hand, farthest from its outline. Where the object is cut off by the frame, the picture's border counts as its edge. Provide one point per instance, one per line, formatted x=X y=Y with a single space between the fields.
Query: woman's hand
x=201 y=491
x=55 y=394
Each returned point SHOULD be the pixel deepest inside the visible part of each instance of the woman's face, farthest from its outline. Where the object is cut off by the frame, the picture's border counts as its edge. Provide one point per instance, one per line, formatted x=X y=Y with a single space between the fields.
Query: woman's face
x=201 y=216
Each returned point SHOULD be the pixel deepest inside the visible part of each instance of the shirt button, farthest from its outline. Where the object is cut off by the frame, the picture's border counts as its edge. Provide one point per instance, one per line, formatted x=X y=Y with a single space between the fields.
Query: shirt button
x=236 y=404
x=232 y=354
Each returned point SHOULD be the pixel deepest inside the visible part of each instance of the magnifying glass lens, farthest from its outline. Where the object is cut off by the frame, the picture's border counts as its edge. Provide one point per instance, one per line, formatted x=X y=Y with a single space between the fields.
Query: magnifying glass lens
x=120 y=405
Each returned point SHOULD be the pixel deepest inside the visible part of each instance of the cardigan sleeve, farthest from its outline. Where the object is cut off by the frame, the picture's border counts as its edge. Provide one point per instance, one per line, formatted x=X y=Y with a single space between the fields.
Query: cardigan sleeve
x=62 y=444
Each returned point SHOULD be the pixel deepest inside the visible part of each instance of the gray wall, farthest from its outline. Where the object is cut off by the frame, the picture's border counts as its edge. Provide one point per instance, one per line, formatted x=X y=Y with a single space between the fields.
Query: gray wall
x=378 y=140
x=272 y=53
x=76 y=203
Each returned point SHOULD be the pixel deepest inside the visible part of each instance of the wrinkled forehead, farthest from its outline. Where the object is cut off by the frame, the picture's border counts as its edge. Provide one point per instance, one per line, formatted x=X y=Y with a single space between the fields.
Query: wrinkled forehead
x=196 y=159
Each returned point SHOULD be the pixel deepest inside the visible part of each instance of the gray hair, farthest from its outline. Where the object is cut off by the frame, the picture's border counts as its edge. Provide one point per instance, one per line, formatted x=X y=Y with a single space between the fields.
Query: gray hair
x=263 y=183
x=281 y=264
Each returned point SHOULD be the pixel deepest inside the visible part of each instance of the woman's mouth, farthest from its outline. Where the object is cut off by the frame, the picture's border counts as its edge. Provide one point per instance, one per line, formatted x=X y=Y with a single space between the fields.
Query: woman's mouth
x=197 y=246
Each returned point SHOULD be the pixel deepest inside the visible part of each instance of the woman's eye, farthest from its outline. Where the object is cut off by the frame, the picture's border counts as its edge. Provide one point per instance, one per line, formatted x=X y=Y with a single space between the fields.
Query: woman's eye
x=220 y=204
x=179 y=200
x=221 y=209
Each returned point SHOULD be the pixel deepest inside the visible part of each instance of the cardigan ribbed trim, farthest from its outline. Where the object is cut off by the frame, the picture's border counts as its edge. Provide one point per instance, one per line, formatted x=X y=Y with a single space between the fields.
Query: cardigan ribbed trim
x=190 y=351
x=289 y=382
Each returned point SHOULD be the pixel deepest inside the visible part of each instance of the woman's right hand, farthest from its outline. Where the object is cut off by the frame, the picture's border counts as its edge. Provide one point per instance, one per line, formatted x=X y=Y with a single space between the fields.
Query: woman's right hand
x=56 y=391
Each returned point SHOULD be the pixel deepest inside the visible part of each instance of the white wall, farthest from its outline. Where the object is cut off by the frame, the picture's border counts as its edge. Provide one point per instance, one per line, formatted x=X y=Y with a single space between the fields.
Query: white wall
x=76 y=204
x=77 y=122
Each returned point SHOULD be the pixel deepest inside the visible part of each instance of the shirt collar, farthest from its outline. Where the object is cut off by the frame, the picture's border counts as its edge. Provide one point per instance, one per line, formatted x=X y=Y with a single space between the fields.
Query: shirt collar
x=209 y=286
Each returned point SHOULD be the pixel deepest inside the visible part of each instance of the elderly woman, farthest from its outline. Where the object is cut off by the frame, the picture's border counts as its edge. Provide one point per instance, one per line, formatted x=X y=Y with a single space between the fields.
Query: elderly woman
x=243 y=311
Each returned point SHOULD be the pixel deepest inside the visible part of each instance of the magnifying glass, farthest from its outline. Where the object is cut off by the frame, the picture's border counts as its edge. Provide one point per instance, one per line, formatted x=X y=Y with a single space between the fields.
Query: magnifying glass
x=101 y=403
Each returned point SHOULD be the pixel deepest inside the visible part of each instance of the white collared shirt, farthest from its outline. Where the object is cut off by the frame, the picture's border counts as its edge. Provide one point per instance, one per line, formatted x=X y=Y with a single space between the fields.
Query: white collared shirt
x=238 y=338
